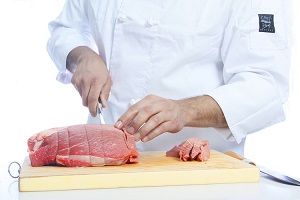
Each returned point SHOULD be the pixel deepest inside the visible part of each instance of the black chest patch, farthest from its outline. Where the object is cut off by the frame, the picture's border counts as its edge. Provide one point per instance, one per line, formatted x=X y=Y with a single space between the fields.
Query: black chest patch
x=266 y=23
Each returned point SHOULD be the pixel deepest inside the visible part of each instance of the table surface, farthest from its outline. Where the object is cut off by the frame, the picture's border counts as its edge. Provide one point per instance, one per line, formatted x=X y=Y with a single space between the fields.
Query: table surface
x=267 y=188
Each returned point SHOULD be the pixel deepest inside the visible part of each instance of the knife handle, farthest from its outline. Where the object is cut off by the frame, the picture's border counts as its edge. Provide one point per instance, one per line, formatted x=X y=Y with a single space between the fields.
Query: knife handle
x=232 y=154
x=237 y=156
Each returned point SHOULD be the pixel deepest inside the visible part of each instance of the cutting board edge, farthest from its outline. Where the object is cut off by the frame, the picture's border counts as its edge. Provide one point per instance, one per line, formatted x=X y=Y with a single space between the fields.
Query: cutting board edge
x=138 y=179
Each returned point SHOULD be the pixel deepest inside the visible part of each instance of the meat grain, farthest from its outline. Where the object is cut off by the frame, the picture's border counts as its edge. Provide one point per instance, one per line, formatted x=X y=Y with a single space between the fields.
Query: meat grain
x=191 y=149
x=83 y=145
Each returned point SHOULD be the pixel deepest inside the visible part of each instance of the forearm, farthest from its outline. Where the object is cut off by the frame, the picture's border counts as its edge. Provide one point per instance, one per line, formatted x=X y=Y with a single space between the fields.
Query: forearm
x=202 y=111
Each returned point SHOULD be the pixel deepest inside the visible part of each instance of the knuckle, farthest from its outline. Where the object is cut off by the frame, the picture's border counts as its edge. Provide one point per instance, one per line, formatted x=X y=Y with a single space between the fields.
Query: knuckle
x=92 y=99
x=105 y=92
x=105 y=95
x=156 y=119
x=93 y=80
x=132 y=109
x=148 y=109
x=158 y=130
x=134 y=123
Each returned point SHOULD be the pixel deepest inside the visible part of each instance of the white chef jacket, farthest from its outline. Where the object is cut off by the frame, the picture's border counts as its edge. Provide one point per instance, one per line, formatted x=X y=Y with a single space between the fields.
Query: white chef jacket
x=237 y=52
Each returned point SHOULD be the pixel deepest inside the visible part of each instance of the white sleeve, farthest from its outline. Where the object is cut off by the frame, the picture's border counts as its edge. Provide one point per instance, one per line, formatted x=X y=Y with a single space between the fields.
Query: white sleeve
x=69 y=30
x=256 y=58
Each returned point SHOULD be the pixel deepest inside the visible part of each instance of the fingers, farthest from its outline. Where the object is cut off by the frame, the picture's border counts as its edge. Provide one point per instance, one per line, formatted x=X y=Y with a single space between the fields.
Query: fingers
x=152 y=128
x=144 y=135
x=93 y=95
x=151 y=117
x=92 y=98
x=137 y=115
x=129 y=121
x=91 y=89
x=89 y=92
x=104 y=94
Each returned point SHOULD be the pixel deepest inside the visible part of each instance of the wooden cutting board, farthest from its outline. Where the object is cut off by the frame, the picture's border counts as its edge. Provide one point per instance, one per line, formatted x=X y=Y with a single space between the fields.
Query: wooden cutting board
x=153 y=169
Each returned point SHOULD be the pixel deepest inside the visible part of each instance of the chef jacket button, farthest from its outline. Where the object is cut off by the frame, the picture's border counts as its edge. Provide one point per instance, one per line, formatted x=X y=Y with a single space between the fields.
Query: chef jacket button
x=152 y=22
x=122 y=18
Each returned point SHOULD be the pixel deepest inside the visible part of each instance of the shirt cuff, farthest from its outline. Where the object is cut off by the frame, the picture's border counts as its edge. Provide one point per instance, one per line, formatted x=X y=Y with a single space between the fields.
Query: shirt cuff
x=64 y=77
x=229 y=136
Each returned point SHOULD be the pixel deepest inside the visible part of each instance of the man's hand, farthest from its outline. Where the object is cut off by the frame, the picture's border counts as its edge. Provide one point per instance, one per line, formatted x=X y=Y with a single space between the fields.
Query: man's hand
x=153 y=116
x=90 y=77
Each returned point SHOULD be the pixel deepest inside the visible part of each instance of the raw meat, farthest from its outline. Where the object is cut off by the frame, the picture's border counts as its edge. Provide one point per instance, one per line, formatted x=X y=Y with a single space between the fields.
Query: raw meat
x=192 y=149
x=82 y=145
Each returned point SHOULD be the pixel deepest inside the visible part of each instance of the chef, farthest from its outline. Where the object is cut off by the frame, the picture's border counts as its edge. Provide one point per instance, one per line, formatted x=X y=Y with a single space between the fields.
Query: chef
x=167 y=71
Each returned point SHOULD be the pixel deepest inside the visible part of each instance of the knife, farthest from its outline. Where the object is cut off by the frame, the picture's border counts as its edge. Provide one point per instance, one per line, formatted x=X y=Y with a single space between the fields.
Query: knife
x=276 y=175
x=99 y=111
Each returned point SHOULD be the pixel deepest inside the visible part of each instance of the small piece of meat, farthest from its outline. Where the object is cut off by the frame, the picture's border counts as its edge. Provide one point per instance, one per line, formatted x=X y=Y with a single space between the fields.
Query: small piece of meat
x=82 y=145
x=191 y=149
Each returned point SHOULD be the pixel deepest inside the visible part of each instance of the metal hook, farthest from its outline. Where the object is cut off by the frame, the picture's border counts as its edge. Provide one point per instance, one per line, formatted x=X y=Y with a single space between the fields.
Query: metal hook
x=19 y=170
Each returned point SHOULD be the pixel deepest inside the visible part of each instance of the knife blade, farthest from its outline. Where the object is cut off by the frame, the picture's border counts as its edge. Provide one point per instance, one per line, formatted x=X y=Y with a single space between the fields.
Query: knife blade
x=99 y=111
x=281 y=177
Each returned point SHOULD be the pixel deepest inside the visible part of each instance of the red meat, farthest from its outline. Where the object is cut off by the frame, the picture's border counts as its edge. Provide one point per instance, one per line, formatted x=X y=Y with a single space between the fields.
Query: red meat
x=192 y=149
x=82 y=145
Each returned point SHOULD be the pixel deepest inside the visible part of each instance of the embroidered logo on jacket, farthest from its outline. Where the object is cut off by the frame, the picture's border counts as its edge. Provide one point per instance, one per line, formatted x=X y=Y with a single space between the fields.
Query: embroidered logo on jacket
x=266 y=23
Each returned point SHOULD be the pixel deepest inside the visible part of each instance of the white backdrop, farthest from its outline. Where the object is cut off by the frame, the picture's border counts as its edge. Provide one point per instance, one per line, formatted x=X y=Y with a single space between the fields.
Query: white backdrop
x=32 y=100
